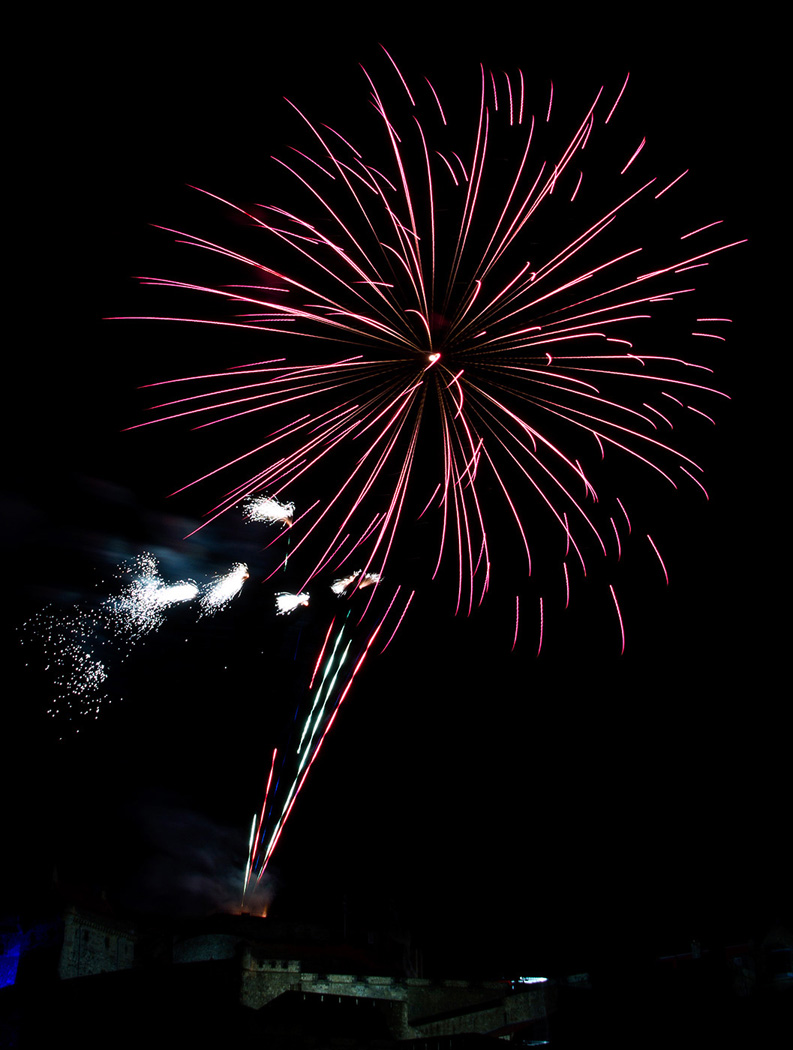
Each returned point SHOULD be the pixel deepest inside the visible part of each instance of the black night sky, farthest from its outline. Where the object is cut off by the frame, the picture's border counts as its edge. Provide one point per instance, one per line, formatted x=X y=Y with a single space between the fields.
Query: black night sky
x=519 y=811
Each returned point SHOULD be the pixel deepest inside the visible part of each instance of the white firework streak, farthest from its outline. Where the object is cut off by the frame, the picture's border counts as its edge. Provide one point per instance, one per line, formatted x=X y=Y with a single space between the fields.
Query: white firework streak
x=268 y=510
x=286 y=602
x=340 y=586
x=223 y=589
x=141 y=608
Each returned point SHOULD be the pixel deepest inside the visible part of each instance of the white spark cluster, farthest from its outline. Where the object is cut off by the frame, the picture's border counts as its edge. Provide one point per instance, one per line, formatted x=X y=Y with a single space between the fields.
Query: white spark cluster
x=224 y=589
x=268 y=510
x=77 y=673
x=286 y=602
x=342 y=585
x=82 y=644
x=140 y=609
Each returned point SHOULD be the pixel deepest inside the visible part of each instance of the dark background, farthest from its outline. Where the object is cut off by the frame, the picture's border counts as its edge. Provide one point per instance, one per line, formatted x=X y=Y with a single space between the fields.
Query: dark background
x=518 y=811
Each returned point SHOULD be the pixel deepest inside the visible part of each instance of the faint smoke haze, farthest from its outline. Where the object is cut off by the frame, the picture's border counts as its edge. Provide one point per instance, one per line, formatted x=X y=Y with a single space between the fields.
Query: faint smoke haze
x=194 y=866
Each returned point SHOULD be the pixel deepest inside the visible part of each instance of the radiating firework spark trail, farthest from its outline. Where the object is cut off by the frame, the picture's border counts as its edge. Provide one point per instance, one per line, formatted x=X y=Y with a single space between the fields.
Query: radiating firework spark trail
x=460 y=357
x=452 y=349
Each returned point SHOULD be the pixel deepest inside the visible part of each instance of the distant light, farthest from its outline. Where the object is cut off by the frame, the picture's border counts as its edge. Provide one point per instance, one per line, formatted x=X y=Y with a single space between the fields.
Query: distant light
x=9 y=962
x=531 y=980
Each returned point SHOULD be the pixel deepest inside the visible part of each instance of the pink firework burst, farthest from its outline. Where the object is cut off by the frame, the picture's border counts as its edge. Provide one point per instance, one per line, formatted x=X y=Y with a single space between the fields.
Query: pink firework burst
x=459 y=318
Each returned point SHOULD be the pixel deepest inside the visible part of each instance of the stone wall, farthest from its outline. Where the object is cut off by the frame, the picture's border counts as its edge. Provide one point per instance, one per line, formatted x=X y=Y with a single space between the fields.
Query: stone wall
x=205 y=947
x=92 y=944
x=265 y=979
x=428 y=998
x=494 y=1016
x=413 y=1007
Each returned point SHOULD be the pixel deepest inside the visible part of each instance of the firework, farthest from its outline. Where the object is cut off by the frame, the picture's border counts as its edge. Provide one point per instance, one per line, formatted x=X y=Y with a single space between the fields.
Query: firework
x=74 y=660
x=443 y=361
x=223 y=589
x=466 y=310
x=330 y=685
x=140 y=609
x=285 y=602
x=82 y=644
x=268 y=510
x=361 y=580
